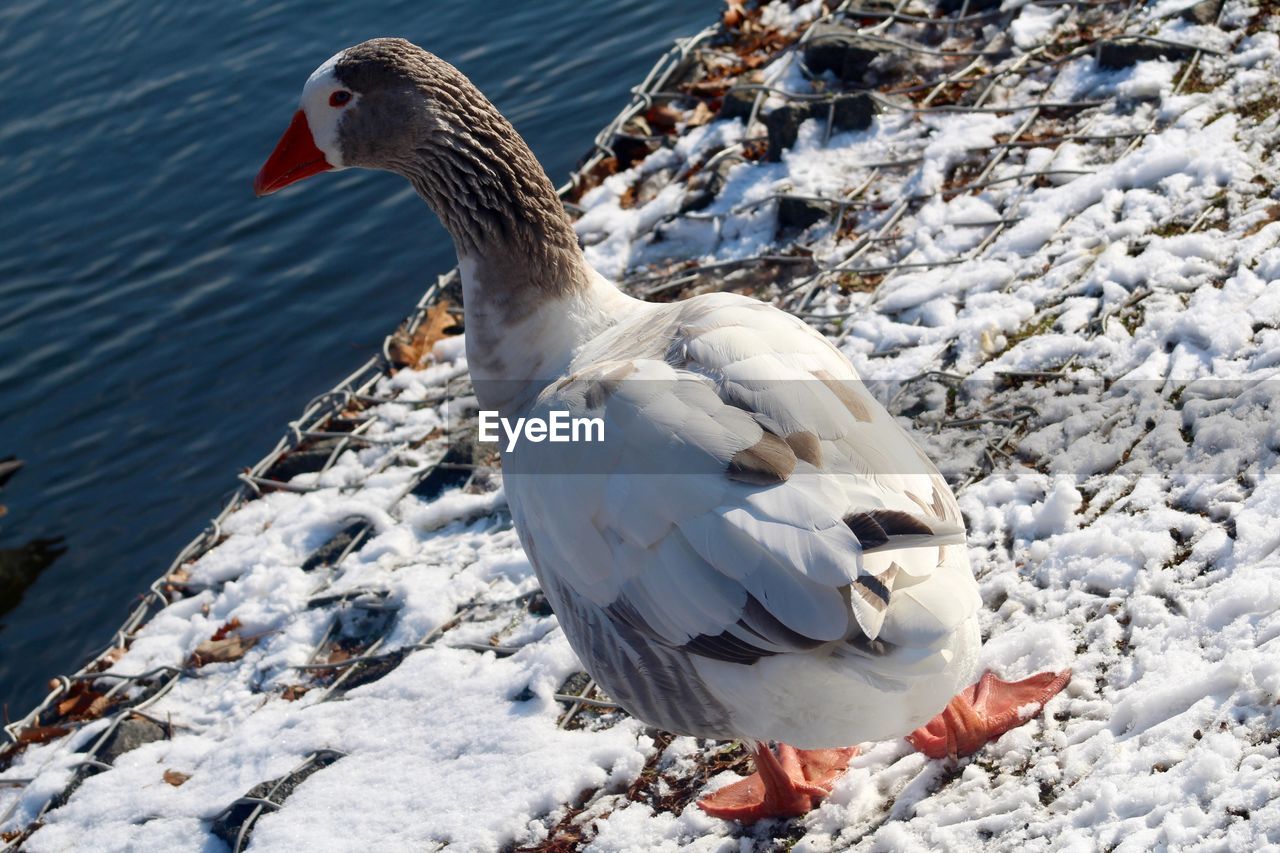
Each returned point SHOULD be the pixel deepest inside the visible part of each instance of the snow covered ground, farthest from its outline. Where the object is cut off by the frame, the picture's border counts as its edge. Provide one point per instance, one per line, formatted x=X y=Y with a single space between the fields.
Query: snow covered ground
x=1053 y=250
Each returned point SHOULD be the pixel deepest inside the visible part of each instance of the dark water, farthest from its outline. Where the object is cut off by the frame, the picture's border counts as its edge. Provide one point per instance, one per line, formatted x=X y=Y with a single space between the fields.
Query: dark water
x=158 y=325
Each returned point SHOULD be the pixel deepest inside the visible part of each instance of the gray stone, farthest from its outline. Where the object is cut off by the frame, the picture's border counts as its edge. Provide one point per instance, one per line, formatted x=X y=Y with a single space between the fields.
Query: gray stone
x=1204 y=12
x=327 y=554
x=1113 y=55
x=737 y=103
x=230 y=824
x=130 y=734
x=854 y=112
x=974 y=7
x=800 y=213
x=307 y=459
x=705 y=186
x=850 y=112
x=783 y=125
x=839 y=50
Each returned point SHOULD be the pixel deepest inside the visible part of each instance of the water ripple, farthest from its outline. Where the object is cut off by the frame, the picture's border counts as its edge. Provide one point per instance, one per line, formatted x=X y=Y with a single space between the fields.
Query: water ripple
x=158 y=325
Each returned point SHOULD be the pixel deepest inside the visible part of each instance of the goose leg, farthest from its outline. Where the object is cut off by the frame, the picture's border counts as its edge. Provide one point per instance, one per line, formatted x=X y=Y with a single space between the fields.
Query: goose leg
x=786 y=784
x=984 y=711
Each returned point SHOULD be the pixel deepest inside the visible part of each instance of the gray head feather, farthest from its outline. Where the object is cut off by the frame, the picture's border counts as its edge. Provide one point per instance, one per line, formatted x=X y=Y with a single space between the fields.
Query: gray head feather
x=422 y=118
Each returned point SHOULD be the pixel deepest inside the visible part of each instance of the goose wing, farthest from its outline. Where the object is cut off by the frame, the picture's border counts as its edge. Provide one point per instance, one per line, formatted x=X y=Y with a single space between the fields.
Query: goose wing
x=748 y=498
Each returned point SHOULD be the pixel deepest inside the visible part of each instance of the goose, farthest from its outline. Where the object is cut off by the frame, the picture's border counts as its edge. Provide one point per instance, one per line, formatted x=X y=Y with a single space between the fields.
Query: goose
x=753 y=549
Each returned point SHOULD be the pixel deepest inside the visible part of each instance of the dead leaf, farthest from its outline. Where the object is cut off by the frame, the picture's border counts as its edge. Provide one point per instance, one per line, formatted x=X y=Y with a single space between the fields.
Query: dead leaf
x=82 y=702
x=593 y=178
x=701 y=115
x=40 y=734
x=221 y=633
x=221 y=651
x=411 y=350
x=733 y=14
x=712 y=88
x=175 y=778
x=663 y=118
x=1273 y=213
x=338 y=655
x=294 y=692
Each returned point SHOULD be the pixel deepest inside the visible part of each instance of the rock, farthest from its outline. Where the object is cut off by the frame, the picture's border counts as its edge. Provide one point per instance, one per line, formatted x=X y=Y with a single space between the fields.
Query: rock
x=839 y=50
x=951 y=7
x=1113 y=55
x=538 y=605
x=1204 y=12
x=800 y=213
x=452 y=471
x=737 y=103
x=233 y=824
x=783 y=125
x=307 y=459
x=705 y=186
x=631 y=150
x=369 y=671
x=854 y=112
x=851 y=112
x=331 y=551
x=130 y=734
x=652 y=184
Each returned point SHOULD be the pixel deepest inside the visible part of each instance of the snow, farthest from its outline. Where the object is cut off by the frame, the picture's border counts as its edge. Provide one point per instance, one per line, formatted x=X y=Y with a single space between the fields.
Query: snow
x=1097 y=376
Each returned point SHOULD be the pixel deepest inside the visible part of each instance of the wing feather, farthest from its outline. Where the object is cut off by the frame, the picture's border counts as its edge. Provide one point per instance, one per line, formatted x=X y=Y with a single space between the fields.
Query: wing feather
x=702 y=526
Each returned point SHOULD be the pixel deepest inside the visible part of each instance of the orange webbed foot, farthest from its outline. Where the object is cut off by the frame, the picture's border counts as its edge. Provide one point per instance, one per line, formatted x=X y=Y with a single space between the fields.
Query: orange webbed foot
x=984 y=711
x=784 y=785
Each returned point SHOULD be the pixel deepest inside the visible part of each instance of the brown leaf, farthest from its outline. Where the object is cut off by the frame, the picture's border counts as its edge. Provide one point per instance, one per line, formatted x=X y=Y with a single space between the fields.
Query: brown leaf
x=338 y=655
x=411 y=350
x=175 y=778
x=40 y=734
x=709 y=88
x=592 y=179
x=733 y=14
x=82 y=702
x=294 y=692
x=701 y=115
x=221 y=651
x=1273 y=213
x=227 y=628
x=663 y=118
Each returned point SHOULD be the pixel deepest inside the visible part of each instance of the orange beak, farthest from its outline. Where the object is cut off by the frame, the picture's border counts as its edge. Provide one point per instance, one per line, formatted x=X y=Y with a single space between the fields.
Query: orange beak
x=296 y=157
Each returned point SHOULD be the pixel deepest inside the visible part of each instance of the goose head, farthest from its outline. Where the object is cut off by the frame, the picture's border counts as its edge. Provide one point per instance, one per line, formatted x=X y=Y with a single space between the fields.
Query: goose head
x=388 y=104
x=369 y=106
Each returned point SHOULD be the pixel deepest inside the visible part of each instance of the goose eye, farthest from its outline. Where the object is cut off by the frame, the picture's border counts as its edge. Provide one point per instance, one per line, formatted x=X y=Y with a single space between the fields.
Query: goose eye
x=339 y=98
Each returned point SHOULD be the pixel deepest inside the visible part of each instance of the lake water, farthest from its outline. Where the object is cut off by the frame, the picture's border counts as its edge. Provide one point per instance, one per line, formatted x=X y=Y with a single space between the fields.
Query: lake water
x=159 y=326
